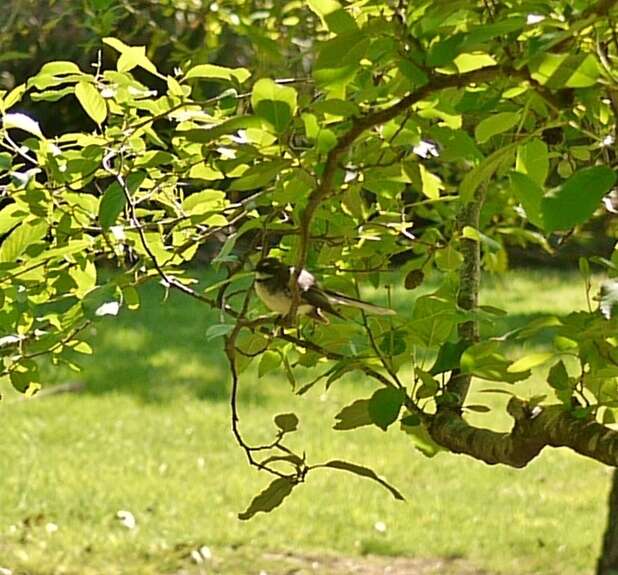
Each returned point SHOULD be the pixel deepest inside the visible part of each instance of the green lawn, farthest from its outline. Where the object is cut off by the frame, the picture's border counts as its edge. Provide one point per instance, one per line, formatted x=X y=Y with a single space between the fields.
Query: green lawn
x=151 y=434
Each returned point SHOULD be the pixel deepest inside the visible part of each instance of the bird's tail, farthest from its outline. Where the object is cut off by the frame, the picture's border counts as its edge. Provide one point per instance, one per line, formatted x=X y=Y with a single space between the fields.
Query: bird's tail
x=340 y=299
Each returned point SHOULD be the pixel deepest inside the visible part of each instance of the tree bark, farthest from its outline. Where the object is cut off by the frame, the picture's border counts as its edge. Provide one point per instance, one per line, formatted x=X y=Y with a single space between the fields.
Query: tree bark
x=608 y=561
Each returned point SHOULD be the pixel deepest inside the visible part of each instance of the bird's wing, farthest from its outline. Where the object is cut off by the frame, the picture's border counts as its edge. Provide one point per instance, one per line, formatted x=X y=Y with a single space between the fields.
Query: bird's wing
x=340 y=299
x=317 y=298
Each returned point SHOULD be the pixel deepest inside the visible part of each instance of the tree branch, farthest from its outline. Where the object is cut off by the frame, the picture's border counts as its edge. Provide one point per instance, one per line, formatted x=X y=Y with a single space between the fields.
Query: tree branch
x=534 y=429
x=359 y=125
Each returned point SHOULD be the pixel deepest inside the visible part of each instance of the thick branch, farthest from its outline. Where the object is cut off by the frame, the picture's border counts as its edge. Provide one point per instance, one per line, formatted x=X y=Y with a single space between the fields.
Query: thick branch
x=533 y=430
x=469 y=284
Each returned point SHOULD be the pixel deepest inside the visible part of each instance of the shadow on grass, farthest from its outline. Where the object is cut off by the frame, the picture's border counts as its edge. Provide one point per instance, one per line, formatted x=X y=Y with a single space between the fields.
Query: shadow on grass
x=158 y=352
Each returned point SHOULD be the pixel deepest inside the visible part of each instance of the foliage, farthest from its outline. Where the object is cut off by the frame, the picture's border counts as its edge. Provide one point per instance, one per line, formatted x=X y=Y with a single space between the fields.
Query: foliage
x=149 y=433
x=432 y=135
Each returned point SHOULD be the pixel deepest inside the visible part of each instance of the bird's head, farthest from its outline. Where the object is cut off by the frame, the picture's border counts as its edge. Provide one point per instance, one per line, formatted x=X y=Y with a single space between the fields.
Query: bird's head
x=270 y=267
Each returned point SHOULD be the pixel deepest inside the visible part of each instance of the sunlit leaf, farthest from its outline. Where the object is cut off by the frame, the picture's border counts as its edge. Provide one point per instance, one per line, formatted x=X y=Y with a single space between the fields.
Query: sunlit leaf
x=91 y=100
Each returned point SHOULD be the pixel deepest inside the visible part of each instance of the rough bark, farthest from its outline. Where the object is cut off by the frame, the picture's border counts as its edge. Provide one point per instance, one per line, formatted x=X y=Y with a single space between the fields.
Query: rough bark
x=534 y=428
x=608 y=561
x=469 y=285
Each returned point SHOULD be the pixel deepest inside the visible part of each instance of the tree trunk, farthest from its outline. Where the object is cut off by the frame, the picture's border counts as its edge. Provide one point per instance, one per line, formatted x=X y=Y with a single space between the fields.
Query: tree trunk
x=608 y=561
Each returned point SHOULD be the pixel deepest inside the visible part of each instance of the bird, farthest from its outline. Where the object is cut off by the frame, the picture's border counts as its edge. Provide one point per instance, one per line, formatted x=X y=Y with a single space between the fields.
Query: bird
x=272 y=285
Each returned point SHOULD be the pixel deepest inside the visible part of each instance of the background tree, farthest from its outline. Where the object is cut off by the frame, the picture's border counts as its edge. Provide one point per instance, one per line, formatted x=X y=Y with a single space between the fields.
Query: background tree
x=427 y=138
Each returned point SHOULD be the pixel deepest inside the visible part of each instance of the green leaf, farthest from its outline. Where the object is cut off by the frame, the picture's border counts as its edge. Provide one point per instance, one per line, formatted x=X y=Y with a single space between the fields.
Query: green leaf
x=52 y=95
x=433 y=320
x=10 y=216
x=384 y=406
x=448 y=358
x=286 y=422
x=577 y=199
x=431 y=184
x=494 y=125
x=111 y=206
x=204 y=201
x=270 y=498
x=276 y=104
x=218 y=330
x=269 y=361
x=333 y=16
x=25 y=377
x=21 y=238
x=92 y=102
x=468 y=62
x=130 y=297
x=206 y=135
x=429 y=386
x=211 y=71
x=5 y=161
x=533 y=160
x=353 y=416
x=336 y=107
x=259 y=176
x=529 y=361
x=59 y=68
x=364 y=472
x=22 y=122
x=484 y=172
x=131 y=56
x=530 y=194
x=13 y=97
x=421 y=439
x=484 y=361
x=448 y=258
x=558 y=377
x=565 y=70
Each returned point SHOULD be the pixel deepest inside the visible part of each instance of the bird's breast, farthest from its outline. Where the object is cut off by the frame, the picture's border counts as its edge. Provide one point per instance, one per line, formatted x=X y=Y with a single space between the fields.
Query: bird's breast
x=277 y=300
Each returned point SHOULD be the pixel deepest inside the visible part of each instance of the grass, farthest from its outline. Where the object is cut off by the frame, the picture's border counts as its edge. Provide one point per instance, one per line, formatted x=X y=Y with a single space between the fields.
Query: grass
x=150 y=434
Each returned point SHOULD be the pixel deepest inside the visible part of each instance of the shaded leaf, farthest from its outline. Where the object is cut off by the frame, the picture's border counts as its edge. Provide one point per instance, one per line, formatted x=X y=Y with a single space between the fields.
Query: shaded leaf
x=421 y=439
x=353 y=416
x=111 y=206
x=577 y=199
x=384 y=406
x=494 y=125
x=558 y=376
x=413 y=279
x=270 y=498
x=269 y=361
x=276 y=104
x=530 y=194
x=533 y=160
x=286 y=422
x=364 y=472
x=218 y=330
